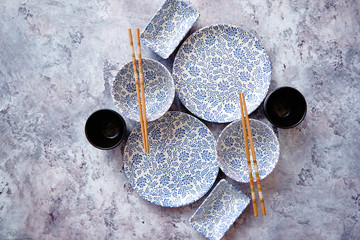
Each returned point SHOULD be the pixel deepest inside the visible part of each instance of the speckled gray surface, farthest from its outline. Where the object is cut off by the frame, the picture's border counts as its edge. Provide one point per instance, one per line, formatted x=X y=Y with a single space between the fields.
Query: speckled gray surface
x=57 y=63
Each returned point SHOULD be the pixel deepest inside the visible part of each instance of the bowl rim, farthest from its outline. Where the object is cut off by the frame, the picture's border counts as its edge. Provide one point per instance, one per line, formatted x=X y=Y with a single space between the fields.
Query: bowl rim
x=122 y=120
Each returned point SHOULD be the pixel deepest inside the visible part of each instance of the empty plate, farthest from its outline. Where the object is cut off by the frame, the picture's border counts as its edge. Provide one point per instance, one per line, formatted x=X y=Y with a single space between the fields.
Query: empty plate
x=219 y=211
x=181 y=165
x=214 y=65
x=168 y=27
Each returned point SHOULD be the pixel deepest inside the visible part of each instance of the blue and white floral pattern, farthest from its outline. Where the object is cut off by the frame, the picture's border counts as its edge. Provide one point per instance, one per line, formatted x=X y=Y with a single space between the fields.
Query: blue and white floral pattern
x=219 y=210
x=168 y=27
x=159 y=90
x=181 y=165
x=214 y=65
x=231 y=150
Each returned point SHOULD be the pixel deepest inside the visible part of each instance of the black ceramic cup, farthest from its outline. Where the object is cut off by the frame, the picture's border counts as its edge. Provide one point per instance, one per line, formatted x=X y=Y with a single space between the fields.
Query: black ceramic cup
x=105 y=129
x=285 y=107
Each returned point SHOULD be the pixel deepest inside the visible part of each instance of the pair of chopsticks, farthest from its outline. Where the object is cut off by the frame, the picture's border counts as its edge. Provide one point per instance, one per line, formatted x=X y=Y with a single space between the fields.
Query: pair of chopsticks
x=140 y=99
x=246 y=126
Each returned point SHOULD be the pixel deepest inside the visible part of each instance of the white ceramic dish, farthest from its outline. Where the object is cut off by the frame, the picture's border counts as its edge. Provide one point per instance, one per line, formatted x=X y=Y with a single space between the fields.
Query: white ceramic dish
x=159 y=90
x=219 y=211
x=168 y=27
x=231 y=150
x=181 y=165
x=214 y=65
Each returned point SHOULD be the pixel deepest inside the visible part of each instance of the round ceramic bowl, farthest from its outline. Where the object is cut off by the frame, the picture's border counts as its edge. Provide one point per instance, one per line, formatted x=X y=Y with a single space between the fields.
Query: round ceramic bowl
x=159 y=90
x=105 y=129
x=285 y=107
x=231 y=153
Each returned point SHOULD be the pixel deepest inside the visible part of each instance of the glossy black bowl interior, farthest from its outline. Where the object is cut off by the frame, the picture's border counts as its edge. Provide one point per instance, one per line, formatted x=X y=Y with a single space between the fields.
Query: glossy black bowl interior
x=285 y=107
x=105 y=129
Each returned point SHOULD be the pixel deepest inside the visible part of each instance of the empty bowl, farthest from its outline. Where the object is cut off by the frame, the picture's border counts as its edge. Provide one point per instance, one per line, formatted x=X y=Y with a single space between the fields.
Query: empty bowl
x=159 y=90
x=231 y=153
x=105 y=129
x=285 y=107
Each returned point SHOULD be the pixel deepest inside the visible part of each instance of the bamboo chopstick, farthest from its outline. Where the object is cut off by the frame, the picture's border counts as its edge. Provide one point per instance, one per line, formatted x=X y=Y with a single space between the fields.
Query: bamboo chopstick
x=252 y=188
x=253 y=156
x=137 y=88
x=142 y=90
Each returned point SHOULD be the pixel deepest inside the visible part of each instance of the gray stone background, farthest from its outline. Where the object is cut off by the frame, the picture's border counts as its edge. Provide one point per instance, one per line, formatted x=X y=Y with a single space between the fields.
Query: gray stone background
x=57 y=63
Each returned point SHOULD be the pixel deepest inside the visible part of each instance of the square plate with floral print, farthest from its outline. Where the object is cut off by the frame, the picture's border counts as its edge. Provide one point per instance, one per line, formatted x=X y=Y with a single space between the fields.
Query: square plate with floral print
x=168 y=27
x=219 y=211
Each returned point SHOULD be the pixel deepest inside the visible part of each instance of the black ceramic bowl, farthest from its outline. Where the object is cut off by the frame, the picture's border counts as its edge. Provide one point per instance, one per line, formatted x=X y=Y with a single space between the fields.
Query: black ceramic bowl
x=285 y=107
x=105 y=129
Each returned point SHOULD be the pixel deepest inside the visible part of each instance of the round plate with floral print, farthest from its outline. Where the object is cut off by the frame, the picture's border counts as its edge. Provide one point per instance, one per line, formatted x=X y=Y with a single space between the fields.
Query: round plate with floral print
x=214 y=65
x=231 y=153
x=159 y=90
x=181 y=165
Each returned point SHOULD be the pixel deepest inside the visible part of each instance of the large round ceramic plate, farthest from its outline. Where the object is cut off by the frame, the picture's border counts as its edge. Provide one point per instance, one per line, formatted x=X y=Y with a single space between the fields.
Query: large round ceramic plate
x=214 y=65
x=181 y=165
x=159 y=90
x=231 y=150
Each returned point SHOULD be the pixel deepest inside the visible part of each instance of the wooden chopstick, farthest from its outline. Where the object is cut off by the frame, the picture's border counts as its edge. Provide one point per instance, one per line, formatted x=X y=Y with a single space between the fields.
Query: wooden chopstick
x=142 y=89
x=252 y=188
x=254 y=157
x=137 y=89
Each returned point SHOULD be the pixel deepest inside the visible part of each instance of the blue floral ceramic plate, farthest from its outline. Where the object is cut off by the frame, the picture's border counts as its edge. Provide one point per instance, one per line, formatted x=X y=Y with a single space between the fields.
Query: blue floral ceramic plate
x=214 y=65
x=181 y=165
x=231 y=150
x=159 y=90
x=168 y=27
x=219 y=210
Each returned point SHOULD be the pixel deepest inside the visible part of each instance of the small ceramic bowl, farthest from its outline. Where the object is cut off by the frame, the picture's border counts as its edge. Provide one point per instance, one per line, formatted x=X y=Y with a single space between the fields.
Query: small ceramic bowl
x=159 y=90
x=285 y=107
x=219 y=211
x=168 y=27
x=105 y=129
x=231 y=153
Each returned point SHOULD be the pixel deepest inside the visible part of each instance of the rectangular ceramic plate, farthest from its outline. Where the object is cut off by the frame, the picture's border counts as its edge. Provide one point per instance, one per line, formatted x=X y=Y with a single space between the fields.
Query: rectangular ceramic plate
x=219 y=211
x=168 y=27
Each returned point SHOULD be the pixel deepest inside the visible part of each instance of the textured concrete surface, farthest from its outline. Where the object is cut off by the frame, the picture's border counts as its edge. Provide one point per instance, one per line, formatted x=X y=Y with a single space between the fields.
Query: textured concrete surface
x=57 y=63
